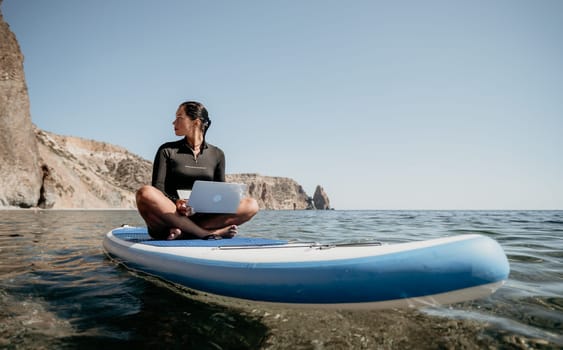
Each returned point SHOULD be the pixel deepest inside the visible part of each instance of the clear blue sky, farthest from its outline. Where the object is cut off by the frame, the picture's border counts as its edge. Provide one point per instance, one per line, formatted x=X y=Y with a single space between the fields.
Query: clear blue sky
x=386 y=104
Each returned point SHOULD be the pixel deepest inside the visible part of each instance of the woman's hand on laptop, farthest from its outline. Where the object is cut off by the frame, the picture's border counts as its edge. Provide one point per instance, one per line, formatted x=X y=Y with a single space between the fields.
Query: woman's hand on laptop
x=183 y=208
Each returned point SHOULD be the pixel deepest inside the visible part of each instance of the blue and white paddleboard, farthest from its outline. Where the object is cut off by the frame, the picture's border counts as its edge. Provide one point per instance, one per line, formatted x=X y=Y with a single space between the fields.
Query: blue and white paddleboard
x=432 y=272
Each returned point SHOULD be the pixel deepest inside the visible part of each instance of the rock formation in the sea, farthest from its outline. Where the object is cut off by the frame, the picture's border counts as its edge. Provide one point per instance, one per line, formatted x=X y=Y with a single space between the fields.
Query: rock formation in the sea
x=320 y=199
x=20 y=171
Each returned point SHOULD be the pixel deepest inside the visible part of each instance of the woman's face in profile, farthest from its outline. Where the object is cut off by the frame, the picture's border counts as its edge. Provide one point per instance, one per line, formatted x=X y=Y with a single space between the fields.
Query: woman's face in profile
x=183 y=125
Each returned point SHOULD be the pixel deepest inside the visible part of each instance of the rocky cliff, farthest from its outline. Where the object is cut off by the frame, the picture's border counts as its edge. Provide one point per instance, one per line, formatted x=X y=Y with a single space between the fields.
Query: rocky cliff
x=274 y=192
x=20 y=172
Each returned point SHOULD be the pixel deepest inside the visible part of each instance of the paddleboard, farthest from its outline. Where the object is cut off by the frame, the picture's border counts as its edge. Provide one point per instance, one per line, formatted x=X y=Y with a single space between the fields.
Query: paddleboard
x=348 y=276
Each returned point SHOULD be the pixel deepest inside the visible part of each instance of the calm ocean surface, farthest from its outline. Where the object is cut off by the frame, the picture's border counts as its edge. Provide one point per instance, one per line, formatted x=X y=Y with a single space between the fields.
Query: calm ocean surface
x=59 y=290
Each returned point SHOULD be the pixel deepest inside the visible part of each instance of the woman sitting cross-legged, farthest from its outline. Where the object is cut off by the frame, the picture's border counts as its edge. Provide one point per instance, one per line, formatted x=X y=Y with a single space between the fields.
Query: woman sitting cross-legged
x=178 y=165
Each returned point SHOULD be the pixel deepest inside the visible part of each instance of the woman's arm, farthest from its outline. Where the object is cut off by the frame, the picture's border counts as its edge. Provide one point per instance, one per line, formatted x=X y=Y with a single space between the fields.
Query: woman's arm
x=159 y=170
x=219 y=174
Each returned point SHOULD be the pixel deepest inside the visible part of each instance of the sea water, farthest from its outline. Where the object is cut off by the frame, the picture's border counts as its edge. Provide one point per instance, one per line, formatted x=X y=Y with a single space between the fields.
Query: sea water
x=59 y=290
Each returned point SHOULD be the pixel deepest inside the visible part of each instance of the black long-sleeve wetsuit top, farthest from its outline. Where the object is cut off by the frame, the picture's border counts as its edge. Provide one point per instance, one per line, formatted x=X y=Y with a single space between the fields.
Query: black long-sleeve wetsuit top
x=175 y=167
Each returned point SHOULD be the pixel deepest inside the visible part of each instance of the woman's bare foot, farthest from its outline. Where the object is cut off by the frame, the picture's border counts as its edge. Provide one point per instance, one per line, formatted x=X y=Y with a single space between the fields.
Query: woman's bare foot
x=226 y=232
x=174 y=233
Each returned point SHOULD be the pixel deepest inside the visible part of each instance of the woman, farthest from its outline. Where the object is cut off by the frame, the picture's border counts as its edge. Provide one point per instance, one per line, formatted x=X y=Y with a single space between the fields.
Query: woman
x=176 y=166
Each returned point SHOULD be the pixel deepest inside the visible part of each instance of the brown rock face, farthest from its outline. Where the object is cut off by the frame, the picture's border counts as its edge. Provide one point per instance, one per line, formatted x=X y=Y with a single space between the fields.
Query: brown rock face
x=320 y=198
x=80 y=173
x=20 y=172
x=274 y=192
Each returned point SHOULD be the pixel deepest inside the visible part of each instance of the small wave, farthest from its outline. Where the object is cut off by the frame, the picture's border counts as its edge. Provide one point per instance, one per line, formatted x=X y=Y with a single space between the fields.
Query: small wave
x=467 y=231
x=517 y=221
x=553 y=222
x=524 y=258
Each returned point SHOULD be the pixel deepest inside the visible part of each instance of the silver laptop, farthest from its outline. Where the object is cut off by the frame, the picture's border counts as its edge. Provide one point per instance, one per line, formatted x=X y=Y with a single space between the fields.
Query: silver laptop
x=214 y=197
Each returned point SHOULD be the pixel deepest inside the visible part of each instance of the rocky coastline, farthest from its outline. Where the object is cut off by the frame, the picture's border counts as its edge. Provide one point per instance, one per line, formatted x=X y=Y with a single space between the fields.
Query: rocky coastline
x=80 y=173
x=77 y=173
